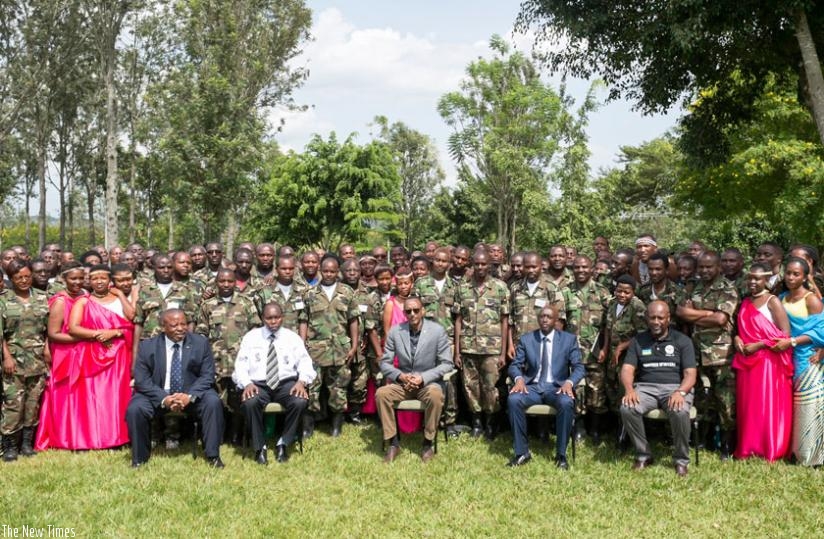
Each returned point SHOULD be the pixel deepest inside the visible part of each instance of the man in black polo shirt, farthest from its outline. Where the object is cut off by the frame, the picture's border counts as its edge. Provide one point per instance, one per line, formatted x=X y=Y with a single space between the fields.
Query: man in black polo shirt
x=664 y=360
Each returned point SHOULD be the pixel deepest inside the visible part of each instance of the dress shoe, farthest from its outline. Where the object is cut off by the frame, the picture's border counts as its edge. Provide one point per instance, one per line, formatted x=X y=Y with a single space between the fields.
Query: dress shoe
x=519 y=460
x=477 y=426
x=427 y=453
x=639 y=465
x=282 y=455
x=308 y=425
x=215 y=462
x=561 y=463
x=172 y=444
x=260 y=457
x=337 y=424
x=391 y=453
x=681 y=470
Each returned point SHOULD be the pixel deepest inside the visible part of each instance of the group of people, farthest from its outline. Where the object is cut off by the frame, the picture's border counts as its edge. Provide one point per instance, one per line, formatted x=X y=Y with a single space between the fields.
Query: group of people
x=113 y=348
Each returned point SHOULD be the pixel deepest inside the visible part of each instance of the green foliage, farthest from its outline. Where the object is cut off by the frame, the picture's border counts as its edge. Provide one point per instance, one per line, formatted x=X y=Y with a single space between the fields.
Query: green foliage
x=328 y=194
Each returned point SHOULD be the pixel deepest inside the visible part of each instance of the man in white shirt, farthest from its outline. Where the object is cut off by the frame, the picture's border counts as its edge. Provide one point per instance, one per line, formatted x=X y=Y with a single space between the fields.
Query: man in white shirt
x=273 y=366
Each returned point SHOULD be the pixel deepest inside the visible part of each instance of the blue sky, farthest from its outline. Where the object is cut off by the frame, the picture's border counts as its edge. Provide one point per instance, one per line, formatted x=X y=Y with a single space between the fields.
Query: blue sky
x=396 y=59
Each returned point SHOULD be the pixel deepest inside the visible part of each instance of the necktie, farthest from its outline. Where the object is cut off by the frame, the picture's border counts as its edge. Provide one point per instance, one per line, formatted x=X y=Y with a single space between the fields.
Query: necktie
x=272 y=364
x=544 y=359
x=176 y=376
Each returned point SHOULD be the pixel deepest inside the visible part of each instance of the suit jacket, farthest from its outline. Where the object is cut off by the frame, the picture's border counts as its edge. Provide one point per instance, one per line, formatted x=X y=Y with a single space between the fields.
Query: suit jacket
x=150 y=368
x=433 y=355
x=565 y=362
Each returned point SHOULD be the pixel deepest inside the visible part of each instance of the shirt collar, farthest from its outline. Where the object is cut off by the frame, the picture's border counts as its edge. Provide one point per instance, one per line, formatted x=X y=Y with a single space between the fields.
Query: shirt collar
x=549 y=336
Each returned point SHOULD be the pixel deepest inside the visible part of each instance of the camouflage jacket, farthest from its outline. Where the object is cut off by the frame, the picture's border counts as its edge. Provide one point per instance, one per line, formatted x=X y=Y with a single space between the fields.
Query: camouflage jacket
x=626 y=325
x=563 y=281
x=327 y=336
x=715 y=344
x=525 y=308
x=151 y=303
x=586 y=310
x=225 y=323
x=481 y=312
x=671 y=295
x=23 y=325
x=438 y=305
x=291 y=307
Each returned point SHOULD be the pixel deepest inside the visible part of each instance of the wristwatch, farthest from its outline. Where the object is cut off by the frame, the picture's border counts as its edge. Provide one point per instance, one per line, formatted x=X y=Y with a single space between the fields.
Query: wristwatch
x=192 y=398
x=683 y=393
x=793 y=342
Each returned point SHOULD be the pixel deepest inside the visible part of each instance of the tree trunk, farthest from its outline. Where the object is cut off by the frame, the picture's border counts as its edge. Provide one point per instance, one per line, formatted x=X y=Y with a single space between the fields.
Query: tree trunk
x=132 y=174
x=90 y=210
x=69 y=245
x=62 y=189
x=41 y=181
x=812 y=70
x=27 y=217
x=111 y=152
x=231 y=231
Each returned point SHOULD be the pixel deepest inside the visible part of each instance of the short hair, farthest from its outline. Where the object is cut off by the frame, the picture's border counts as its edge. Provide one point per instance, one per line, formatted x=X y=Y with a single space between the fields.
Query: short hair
x=382 y=268
x=793 y=260
x=629 y=253
x=88 y=254
x=422 y=259
x=121 y=268
x=761 y=266
x=626 y=279
x=15 y=266
x=659 y=255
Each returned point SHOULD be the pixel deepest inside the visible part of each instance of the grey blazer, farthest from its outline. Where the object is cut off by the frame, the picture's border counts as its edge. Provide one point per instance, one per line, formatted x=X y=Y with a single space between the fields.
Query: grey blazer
x=432 y=359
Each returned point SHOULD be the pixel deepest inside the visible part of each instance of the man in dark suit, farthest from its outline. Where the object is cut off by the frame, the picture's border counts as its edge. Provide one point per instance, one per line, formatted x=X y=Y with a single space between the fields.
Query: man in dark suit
x=174 y=371
x=546 y=368
x=424 y=357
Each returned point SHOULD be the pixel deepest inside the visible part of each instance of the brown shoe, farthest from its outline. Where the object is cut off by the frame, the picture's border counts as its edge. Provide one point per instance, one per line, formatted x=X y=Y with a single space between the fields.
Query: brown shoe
x=391 y=453
x=639 y=465
x=427 y=454
x=681 y=470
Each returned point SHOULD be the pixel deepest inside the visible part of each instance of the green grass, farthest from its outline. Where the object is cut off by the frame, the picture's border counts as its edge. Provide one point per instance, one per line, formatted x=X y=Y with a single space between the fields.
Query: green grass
x=341 y=488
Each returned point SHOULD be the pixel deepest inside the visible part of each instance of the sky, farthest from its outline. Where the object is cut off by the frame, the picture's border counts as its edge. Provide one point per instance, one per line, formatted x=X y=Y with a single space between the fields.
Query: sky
x=396 y=59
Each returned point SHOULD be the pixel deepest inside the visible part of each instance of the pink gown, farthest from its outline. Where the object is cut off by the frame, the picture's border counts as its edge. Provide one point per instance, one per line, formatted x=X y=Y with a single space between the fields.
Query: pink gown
x=764 y=391
x=88 y=392
x=408 y=422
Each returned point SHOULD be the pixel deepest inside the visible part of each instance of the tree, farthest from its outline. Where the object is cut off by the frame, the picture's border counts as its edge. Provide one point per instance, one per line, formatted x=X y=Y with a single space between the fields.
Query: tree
x=657 y=53
x=328 y=194
x=420 y=171
x=506 y=131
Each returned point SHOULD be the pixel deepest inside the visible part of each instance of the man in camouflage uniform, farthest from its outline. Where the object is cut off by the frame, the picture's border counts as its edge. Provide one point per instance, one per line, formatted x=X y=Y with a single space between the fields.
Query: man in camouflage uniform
x=224 y=319
x=516 y=270
x=367 y=317
x=557 y=271
x=528 y=296
x=659 y=287
x=437 y=294
x=309 y=264
x=214 y=261
x=710 y=310
x=497 y=267
x=626 y=317
x=586 y=307
x=198 y=254
x=329 y=326
x=264 y=268
x=482 y=306
x=732 y=266
x=182 y=272
x=23 y=336
x=460 y=260
x=285 y=291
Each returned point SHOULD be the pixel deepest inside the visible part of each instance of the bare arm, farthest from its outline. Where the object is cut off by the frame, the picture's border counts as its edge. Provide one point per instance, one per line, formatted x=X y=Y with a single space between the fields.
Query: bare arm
x=55 y=324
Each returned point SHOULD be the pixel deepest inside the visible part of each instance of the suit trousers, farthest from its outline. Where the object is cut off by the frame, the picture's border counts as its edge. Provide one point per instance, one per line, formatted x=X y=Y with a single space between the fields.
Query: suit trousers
x=431 y=395
x=139 y=414
x=564 y=405
x=651 y=397
x=253 y=411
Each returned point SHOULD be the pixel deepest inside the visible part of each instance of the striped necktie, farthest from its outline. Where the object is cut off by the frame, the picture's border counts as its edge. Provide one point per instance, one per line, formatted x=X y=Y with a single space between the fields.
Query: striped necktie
x=272 y=378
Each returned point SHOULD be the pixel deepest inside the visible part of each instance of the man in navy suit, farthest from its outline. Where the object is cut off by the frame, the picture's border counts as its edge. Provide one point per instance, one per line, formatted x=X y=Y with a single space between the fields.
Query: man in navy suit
x=174 y=371
x=546 y=368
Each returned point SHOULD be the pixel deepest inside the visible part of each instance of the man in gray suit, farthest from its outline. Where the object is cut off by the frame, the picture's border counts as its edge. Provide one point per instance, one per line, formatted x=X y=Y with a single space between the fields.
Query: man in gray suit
x=424 y=357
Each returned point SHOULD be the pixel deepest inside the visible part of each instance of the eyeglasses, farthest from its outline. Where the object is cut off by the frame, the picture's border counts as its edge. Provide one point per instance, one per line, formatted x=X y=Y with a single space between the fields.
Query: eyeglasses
x=412 y=311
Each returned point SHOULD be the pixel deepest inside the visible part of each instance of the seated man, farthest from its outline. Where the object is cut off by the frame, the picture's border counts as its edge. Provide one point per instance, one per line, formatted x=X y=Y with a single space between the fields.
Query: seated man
x=273 y=366
x=661 y=363
x=174 y=371
x=546 y=368
x=424 y=357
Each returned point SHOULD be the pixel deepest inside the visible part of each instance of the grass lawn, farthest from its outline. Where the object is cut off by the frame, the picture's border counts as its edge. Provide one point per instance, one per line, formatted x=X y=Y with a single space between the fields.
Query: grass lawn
x=341 y=488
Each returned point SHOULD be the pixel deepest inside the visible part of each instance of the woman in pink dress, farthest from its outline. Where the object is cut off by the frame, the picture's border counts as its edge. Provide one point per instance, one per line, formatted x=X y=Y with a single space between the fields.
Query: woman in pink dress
x=59 y=400
x=764 y=390
x=102 y=324
x=393 y=314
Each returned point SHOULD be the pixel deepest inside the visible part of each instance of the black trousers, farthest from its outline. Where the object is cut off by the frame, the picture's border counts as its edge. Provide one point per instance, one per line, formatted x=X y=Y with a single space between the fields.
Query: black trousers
x=140 y=412
x=253 y=411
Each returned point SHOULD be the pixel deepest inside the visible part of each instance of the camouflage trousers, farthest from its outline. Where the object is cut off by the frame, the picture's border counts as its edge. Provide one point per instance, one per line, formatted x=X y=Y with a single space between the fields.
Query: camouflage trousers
x=450 y=409
x=613 y=387
x=336 y=379
x=480 y=376
x=360 y=375
x=717 y=400
x=590 y=394
x=21 y=401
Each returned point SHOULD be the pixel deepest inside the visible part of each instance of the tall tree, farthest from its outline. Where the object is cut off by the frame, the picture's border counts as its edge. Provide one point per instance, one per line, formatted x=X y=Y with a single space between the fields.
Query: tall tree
x=506 y=125
x=420 y=171
x=658 y=52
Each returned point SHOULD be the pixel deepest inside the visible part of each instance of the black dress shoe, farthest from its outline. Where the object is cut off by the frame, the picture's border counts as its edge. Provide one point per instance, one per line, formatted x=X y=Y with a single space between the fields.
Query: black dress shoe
x=519 y=460
x=561 y=463
x=282 y=455
x=260 y=457
x=215 y=462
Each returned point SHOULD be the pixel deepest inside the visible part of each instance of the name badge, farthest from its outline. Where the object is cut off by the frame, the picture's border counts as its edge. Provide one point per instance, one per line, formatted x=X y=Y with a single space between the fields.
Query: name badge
x=363 y=308
x=299 y=305
x=646 y=351
x=540 y=303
